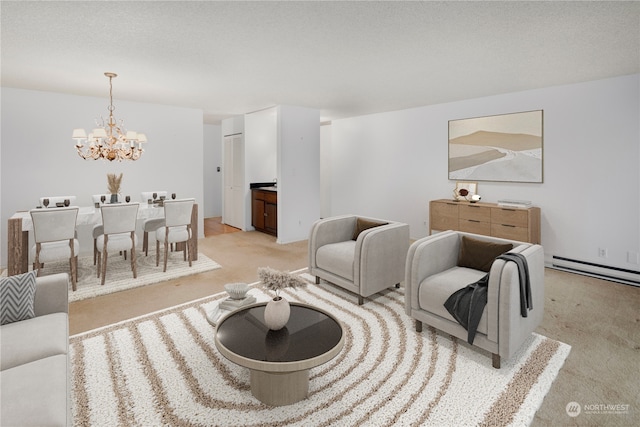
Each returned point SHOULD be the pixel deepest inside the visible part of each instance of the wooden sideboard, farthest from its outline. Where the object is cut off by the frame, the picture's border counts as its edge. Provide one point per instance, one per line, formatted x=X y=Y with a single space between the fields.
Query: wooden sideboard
x=264 y=210
x=489 y=219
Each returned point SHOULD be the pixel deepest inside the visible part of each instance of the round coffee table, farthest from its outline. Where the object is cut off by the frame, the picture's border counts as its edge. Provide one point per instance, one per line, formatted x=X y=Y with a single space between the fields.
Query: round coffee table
x=279 y=361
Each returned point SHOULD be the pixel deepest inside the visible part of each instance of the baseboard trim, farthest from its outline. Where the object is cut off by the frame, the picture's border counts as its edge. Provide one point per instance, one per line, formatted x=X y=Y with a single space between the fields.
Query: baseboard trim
x=605 y=272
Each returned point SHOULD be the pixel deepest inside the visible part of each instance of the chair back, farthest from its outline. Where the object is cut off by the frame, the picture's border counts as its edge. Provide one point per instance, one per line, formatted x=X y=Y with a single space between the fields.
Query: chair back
x=119 y=218
x=51 y=225
x=146 y=195
x=178 y=212
x=58 y=199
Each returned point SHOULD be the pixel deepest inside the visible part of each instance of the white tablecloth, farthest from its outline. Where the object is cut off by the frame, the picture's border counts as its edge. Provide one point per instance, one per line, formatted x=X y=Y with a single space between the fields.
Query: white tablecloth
x=92 y=216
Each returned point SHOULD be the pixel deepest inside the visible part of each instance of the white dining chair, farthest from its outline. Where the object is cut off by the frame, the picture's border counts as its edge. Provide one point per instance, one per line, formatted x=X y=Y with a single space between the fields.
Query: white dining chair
x=97 y=229
x=152 y=224
x=119 y=234
x=54 y=232
x=177 y=228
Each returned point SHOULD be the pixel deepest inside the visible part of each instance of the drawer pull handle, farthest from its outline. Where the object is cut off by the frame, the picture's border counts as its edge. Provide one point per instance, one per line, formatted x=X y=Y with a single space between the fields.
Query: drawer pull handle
x=508 y=225
x=474 y=220
x=508 y=210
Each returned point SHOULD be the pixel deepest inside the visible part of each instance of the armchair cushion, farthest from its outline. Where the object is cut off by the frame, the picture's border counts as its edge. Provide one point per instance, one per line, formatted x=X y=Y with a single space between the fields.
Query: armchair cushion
x=436 y=289
x=479 y=254
x=338 y=258
x=17 y=294
x=365 y=224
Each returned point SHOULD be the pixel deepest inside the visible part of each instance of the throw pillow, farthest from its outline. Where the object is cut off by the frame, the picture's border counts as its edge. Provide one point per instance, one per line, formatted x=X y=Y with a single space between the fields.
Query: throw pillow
x=479 y=254
x=364 y=224
x=17 y=294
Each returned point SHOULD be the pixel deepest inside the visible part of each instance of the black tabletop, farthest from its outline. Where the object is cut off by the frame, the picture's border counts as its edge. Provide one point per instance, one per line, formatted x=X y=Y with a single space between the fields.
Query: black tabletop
x=308 y=334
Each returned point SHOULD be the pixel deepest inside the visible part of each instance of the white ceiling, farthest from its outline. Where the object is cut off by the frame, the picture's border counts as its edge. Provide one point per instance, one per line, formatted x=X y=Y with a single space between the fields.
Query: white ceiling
x=343 y=58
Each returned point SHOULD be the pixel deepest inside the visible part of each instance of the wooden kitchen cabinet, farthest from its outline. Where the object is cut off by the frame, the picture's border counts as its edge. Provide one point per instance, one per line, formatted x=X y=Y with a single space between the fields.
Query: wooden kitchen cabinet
x=264 y=210
x=488 y=219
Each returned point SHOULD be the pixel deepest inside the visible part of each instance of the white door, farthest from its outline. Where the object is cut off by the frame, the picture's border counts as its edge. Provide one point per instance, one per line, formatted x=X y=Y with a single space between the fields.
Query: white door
x=234 y=181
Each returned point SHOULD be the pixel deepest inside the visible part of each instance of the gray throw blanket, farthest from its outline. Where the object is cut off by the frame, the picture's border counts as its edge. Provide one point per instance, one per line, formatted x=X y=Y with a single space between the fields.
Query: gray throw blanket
x=467 y=304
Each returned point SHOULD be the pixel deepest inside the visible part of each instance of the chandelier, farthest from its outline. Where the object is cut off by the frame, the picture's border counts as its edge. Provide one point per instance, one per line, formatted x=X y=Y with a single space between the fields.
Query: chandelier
x=109 y=140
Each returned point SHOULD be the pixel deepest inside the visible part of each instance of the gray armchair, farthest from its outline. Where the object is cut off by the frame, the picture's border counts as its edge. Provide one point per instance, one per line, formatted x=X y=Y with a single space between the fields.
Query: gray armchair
x=433 y=274
x=362 y=255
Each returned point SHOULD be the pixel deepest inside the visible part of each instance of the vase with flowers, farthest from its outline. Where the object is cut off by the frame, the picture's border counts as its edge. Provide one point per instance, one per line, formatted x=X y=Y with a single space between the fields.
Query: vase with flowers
x=277 y=311
x=113 y=186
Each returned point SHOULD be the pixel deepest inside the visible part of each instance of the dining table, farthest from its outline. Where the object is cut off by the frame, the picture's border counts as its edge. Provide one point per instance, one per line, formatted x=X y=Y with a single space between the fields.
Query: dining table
x=20 y=224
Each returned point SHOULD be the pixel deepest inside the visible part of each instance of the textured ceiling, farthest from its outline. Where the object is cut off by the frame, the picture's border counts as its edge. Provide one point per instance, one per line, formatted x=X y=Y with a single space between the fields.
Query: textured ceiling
x=343 y=58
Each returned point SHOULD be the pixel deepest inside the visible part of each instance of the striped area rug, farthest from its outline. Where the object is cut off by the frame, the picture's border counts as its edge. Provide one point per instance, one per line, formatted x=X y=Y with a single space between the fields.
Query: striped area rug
x=164 y=369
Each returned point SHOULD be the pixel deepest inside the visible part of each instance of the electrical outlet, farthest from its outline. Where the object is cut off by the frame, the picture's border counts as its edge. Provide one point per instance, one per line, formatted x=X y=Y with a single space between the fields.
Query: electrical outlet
x=602 y=252
x=633 y=257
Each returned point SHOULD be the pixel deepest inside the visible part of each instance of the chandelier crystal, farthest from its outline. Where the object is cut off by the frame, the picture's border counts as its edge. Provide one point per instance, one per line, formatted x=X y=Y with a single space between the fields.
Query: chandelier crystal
x=110 y=140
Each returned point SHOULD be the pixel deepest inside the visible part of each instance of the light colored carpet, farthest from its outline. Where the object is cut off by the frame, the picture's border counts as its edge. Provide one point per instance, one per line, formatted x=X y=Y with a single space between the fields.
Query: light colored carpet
x=164 y=369
x=119 y=274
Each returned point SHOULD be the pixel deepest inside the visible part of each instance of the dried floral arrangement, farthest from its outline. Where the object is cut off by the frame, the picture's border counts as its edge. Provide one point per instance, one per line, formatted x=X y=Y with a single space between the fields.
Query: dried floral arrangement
x=277 y=280
x=113 y=183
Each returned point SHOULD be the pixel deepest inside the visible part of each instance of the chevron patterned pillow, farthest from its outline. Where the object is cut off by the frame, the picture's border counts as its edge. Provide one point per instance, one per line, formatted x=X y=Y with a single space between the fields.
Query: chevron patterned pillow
x=16 y=297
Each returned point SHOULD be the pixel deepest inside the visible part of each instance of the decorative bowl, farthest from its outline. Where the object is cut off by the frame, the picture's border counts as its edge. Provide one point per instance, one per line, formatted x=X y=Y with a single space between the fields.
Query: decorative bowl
x=236 y=290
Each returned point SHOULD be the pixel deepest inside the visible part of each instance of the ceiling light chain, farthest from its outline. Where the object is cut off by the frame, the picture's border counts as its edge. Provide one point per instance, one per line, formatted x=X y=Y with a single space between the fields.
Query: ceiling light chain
x=109 y=140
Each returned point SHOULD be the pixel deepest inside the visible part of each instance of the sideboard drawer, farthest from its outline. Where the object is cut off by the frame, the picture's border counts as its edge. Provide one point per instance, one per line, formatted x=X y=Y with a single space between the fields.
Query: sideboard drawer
x=515 y=217
x=444 y=215
x=475 y=227
x=510 y=232
x=475 y=212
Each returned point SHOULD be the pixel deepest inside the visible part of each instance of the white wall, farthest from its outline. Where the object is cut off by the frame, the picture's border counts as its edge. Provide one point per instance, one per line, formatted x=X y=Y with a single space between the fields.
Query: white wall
x=325 y=170
x=261 y=145
x=212 y=160
x=39 y=158
x=298 y=172
x=390 y=165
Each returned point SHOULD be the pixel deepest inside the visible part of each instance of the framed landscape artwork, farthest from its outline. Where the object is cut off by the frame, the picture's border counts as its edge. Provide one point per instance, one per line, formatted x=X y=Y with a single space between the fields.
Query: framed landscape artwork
x=506 y=147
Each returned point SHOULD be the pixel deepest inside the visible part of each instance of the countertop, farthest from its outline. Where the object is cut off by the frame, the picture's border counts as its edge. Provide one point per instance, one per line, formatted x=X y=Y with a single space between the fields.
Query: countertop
x=266 y=186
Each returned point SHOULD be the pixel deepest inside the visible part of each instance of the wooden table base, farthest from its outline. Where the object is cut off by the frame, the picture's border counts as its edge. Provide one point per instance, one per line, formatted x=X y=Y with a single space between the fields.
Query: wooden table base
x=280 y=388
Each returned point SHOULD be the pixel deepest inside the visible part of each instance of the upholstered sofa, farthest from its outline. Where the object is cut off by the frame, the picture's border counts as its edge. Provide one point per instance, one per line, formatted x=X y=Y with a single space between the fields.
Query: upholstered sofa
x=34 y=380
x=360 y=254
x=438 y=265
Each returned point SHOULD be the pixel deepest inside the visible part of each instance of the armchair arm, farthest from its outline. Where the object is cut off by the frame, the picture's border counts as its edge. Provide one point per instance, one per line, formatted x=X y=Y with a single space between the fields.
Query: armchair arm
x=426 y=257
x=329 y=230
x=504 y=299
x=380 y=256
x=52 y=294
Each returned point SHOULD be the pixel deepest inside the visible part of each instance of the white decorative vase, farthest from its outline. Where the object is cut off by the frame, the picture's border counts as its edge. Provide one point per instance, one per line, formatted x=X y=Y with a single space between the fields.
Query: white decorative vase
x=276 y=313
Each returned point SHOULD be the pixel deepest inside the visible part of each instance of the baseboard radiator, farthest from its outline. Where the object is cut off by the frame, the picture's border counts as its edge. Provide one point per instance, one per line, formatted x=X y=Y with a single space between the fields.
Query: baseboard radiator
x=615 y=274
